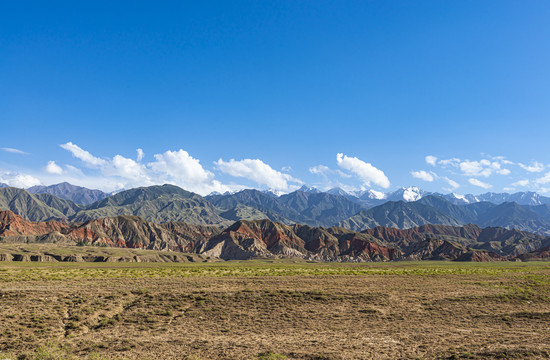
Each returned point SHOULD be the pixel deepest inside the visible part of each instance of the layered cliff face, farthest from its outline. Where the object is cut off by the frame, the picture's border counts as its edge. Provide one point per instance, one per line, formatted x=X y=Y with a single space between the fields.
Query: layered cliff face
x=119 y=231
x=265 y=238
x=12 y=225
x=246 y=239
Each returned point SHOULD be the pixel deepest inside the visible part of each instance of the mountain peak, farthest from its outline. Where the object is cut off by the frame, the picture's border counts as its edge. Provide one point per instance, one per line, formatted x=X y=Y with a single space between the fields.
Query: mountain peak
x=273 y=192
x=411 y=193
x=308 y=189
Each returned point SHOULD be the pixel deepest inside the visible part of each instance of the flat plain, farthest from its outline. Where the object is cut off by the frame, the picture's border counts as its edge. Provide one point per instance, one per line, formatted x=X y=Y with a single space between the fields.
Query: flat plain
x=270 y=309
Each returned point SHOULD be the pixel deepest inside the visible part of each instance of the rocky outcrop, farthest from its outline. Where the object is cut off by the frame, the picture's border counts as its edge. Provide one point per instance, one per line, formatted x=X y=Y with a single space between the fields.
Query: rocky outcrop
x=120 y=231
x=541 y=254
x=265 y=238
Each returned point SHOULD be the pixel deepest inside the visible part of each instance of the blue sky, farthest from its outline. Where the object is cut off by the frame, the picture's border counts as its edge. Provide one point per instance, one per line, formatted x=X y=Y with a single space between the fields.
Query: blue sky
x=223 y=95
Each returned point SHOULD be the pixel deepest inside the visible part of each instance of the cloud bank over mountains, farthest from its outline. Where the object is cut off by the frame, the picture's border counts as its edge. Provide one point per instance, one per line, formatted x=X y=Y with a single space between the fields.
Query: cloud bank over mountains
x=489 y=166
x=348 y=172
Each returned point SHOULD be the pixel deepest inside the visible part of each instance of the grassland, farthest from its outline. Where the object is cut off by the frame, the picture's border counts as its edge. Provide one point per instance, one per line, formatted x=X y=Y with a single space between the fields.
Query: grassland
x=274 y=310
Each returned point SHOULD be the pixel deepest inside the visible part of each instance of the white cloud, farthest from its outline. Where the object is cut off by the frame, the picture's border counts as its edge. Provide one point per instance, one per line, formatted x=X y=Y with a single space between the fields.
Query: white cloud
x=535 y=166
x=18 y=180
x=184 y=170
x=432 y=160
x=128 y=169
x=449 y=162
x=140 y=154
x=258 y=171
x=422 y=175
x=326 y=171
x=14 y=151
x=73 y=171
x=483 y=167
x=365 y=171
x=479 y=168
x=453 y=184
x=544 y=180
x=524 y=182
x=84 y=155
x=53 y=168
x=174 y=167
x=320 y=170
x=481 y=184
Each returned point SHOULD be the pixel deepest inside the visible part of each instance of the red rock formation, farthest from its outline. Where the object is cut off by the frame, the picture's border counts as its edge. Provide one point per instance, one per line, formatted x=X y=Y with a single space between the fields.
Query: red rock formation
x=14 y=225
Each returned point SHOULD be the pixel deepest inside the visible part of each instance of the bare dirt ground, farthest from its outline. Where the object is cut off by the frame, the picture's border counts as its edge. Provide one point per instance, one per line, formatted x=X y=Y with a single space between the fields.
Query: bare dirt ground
x=261 y=310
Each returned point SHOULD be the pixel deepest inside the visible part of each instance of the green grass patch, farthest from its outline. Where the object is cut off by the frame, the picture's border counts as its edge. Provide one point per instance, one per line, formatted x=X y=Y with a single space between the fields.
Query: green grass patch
x=535 y=272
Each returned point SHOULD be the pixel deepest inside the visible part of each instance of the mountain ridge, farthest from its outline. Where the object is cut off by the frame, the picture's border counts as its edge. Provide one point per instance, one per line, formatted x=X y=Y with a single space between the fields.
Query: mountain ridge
x=264 y=238
x=166 y=203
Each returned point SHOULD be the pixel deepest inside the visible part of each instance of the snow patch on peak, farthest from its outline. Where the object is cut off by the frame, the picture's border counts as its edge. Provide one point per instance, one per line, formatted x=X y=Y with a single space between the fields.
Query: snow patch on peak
x=373 y=194
x=412 y=193
x=308 y=189
x=340 y=192
x=460 y=197
x=273 y=192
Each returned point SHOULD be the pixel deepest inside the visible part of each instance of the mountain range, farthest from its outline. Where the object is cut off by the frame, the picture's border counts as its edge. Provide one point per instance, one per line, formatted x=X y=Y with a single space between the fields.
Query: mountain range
x=308 y=206
x=264 y=238
x=370 y=198
x=77 y=194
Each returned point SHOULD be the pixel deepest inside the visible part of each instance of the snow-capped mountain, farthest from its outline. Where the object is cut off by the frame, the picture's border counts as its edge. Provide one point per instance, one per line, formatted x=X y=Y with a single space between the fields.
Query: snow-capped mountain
x=273 y=192
x=411 y=193
x=458 y=199
x=308 y=189
x=340 y=192
x=370 y=198
x=522 y=198
x=371 y=195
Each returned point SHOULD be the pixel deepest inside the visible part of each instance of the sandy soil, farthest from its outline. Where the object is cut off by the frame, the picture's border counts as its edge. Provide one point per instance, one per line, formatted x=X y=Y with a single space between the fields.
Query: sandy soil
x=505 y=314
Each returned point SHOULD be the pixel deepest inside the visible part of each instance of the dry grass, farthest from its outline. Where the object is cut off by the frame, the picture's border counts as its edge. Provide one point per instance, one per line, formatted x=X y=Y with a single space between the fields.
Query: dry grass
x=275 y=310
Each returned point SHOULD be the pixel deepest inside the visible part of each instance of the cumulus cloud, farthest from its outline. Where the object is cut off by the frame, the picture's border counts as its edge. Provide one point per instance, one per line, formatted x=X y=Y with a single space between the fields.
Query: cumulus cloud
x=432 y=160
x=479 y=183
x=484 y=167
x=479 y=168
x=84 y=155
x=182 y=169
x=19 y=180
x=258 y=171
x=534 y=167
x=53 y=168
x=128 y=169
x=423 y=175
x=173 y=167
x=365 y=171
x=14 y=151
